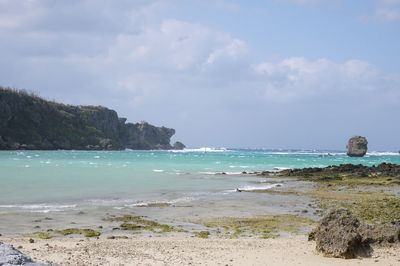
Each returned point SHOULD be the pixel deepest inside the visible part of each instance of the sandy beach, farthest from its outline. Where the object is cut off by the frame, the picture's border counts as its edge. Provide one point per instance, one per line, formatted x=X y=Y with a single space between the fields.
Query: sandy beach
x=290 y=250
x=223 y=132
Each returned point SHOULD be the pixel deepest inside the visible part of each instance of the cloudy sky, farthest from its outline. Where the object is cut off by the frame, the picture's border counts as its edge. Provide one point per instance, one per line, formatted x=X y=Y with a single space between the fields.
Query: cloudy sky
x=266 y=74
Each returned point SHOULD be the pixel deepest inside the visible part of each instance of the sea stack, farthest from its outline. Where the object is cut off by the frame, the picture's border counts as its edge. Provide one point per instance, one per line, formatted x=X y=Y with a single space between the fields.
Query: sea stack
x=178 y=146
x=357 y=146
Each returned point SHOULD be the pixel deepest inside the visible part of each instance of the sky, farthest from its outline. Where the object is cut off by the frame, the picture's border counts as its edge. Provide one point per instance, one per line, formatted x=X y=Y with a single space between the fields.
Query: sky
x=299 y=74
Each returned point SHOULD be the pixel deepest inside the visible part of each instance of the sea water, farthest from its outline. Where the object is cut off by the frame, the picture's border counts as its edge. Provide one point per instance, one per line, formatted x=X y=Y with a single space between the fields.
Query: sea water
x=65 y=182
x=72 y=177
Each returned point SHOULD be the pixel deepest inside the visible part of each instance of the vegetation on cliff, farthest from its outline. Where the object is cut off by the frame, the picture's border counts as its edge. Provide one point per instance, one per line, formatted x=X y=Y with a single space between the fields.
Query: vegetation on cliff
x=30 y=122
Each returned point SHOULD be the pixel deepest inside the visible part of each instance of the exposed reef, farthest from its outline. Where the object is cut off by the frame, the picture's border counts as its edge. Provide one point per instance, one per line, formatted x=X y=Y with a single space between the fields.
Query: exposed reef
x=30 y=122
x=339 y=171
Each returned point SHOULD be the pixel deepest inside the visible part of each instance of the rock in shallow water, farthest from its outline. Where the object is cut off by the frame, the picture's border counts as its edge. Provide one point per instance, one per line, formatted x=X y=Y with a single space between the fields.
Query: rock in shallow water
x=11 y=256
x=178 y=146
x=357 y=146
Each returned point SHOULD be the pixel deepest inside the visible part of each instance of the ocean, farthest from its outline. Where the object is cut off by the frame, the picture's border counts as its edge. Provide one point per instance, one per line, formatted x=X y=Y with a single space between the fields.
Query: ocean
x=190 y=183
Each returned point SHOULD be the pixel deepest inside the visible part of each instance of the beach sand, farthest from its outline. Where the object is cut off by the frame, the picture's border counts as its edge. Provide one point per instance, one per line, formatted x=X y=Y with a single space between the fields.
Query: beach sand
x=290 y=250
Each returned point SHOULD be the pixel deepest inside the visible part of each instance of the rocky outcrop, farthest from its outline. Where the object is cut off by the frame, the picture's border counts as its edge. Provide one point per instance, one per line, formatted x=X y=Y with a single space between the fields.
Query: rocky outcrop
x=357 y=146
x=144 y=136
x=30 y=122
x=337 y=235
x=178 y=146
x=340 y=234
x=382 y=234
x=11 y=256
x=354 y=170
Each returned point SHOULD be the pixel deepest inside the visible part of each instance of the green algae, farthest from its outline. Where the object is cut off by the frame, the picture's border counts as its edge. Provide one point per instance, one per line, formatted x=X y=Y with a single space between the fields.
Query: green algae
x=385 y=174
x=42 y=235
x=262 y=226
x=65 y=232
x=202 y=234
x=90 y=233
x=136 y=223
x=76 y=231
x=352 y=181
x=370 y=207
x=131 y=226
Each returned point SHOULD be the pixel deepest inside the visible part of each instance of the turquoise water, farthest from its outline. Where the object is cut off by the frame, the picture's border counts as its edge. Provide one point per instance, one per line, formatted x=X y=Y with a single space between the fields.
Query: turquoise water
x=53 y=180
x=60 y=189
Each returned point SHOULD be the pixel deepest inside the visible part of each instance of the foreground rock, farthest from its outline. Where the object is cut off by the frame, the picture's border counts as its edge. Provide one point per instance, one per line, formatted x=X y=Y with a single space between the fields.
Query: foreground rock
x=340 y=234
x=29 y=122
x=357 y=146
x=11 y=256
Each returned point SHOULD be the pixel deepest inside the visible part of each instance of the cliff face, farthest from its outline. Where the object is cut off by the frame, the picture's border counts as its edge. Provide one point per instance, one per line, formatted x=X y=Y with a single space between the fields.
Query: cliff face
x=30 y=122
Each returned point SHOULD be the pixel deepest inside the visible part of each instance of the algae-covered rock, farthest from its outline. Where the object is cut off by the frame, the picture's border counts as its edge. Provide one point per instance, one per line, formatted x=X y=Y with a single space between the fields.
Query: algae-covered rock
x=337 y=172
x=337 y=235
x=357 y=146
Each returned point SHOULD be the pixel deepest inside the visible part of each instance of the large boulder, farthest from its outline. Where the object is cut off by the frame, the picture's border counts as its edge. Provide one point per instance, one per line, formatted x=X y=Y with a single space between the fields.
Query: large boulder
x=338 y=235
x=357 y=146
x=11 y=256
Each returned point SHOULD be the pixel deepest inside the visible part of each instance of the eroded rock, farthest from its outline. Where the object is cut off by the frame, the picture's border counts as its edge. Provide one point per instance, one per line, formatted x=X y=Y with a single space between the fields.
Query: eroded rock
x=178 y=146
x=382 y=234
x=357 y=146
x=338 y=235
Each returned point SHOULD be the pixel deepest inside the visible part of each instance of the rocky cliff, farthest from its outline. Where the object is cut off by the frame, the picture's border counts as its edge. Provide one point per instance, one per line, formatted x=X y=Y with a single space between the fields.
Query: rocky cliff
x=30 y=122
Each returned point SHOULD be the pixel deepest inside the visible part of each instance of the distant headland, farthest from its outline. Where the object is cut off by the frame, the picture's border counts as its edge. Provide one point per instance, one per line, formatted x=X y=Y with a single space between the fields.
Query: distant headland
x=33 y=123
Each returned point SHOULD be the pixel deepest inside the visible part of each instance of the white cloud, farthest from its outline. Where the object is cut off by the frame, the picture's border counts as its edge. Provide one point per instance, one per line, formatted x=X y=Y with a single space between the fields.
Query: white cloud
x=130 y=56
x=147 y=57
x=295 y=79
x=388 y=10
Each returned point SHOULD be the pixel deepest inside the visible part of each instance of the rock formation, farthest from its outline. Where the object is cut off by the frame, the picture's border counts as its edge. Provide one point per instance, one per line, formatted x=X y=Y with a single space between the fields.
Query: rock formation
x=11 y=256
x=30 y=122
x=337 y=235
x=357 y=146
x=178 y=146
x=336 y=171
x=340 y=234
x=382 y=234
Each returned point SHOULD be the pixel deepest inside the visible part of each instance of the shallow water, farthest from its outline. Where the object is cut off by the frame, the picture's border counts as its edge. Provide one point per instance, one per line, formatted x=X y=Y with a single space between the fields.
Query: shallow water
x=63 y=183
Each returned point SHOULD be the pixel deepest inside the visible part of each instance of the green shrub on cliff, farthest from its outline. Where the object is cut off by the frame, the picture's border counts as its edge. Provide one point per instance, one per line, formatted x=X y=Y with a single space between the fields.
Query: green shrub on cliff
x=30 y=122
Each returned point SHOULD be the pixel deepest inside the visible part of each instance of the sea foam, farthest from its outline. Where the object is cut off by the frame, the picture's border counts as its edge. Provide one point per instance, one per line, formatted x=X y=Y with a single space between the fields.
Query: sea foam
x=202 y=149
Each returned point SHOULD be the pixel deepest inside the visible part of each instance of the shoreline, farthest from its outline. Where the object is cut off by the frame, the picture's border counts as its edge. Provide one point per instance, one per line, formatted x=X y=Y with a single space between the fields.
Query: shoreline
x=289 y=250
x=216 y=238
